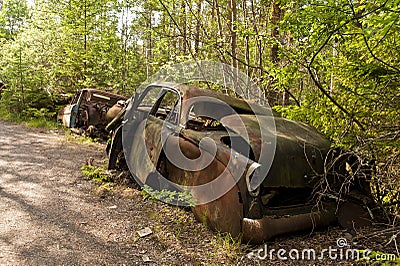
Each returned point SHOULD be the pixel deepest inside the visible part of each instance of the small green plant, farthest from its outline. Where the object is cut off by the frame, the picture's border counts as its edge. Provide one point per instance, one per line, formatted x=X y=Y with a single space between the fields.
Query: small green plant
x=78 y=138
x=146 y=194
x=95 y=173
x=227 y=244
x=170 y=197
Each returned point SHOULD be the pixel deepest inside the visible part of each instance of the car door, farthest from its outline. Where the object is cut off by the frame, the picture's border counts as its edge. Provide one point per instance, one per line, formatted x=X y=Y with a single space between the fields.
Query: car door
x=143 y=126
x=71 y=111
x=162 y=121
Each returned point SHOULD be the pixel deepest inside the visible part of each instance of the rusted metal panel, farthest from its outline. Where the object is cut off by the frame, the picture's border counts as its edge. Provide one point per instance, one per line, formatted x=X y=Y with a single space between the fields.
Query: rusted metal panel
x=225 y=213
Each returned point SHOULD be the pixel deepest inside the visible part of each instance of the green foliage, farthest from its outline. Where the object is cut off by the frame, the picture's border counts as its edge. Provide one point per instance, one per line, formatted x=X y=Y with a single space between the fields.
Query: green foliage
x=42 y=123
x=320 y=115
x=79 y=138
x=171 y=197
x=95 y=173
x=13 y=16
x=38 y=108
x=342 y=69
x=31 y=117
x=348 y=48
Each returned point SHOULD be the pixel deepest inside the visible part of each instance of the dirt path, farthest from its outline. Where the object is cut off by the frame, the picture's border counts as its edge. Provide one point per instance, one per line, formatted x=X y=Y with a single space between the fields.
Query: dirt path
x=51 y=215
x=46 y=217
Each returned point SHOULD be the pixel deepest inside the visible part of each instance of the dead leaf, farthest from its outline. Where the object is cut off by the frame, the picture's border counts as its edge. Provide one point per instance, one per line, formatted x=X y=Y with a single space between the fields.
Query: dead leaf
x=144 y=232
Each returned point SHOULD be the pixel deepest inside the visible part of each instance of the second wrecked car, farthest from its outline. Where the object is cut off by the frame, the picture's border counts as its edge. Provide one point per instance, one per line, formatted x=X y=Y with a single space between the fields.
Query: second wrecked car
x=91 y=110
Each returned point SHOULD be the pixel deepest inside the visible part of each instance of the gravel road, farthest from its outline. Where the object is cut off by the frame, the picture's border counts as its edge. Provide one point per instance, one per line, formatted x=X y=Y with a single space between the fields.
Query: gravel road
x=47 y=216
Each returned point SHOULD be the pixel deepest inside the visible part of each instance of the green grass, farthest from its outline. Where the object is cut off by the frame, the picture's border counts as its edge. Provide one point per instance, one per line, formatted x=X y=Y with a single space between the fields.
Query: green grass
x=35 y=122
x=225 y=243
x=42 y=123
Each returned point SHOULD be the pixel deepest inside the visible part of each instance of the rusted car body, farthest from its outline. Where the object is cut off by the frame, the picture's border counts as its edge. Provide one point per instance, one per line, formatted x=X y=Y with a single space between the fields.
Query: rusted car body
x=307 y=184
x=91 y=110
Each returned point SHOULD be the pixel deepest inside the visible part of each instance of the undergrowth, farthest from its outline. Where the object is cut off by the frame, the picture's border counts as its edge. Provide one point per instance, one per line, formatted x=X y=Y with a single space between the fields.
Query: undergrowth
x=95 y=173
x=167 y=196
x=79 y=138
x=36 y=121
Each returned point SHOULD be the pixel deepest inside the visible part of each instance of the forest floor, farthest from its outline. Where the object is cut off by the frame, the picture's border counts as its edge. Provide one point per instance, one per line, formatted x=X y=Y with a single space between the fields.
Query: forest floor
x=50 y=214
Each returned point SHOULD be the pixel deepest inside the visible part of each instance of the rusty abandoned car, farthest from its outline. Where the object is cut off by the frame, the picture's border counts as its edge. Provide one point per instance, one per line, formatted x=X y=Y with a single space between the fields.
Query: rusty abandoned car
x=90 y=111
x=307 y=184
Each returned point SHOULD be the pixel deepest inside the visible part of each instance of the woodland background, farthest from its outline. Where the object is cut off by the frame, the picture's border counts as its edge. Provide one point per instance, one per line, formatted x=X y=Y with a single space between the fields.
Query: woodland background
x=332 y=64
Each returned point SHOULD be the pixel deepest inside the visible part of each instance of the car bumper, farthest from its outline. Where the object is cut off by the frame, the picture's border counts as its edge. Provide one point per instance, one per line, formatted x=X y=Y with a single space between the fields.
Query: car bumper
x=259 y=230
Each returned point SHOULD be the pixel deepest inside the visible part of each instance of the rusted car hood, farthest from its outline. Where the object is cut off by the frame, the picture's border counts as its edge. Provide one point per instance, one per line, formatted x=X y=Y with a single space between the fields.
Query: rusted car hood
x=287 y=131
x=299 y=153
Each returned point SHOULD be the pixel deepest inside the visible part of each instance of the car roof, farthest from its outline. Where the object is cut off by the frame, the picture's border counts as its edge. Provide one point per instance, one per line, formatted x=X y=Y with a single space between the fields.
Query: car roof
x=110 y=94
x=188 y=92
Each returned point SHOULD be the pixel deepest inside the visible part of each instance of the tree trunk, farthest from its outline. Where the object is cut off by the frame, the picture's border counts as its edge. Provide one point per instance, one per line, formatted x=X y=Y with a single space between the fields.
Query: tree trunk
x=148 y=43
x=85 y=41
x=198 y=27
x=276 y=16
x=232 y=20
x=246 y=41
x=183 y=27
